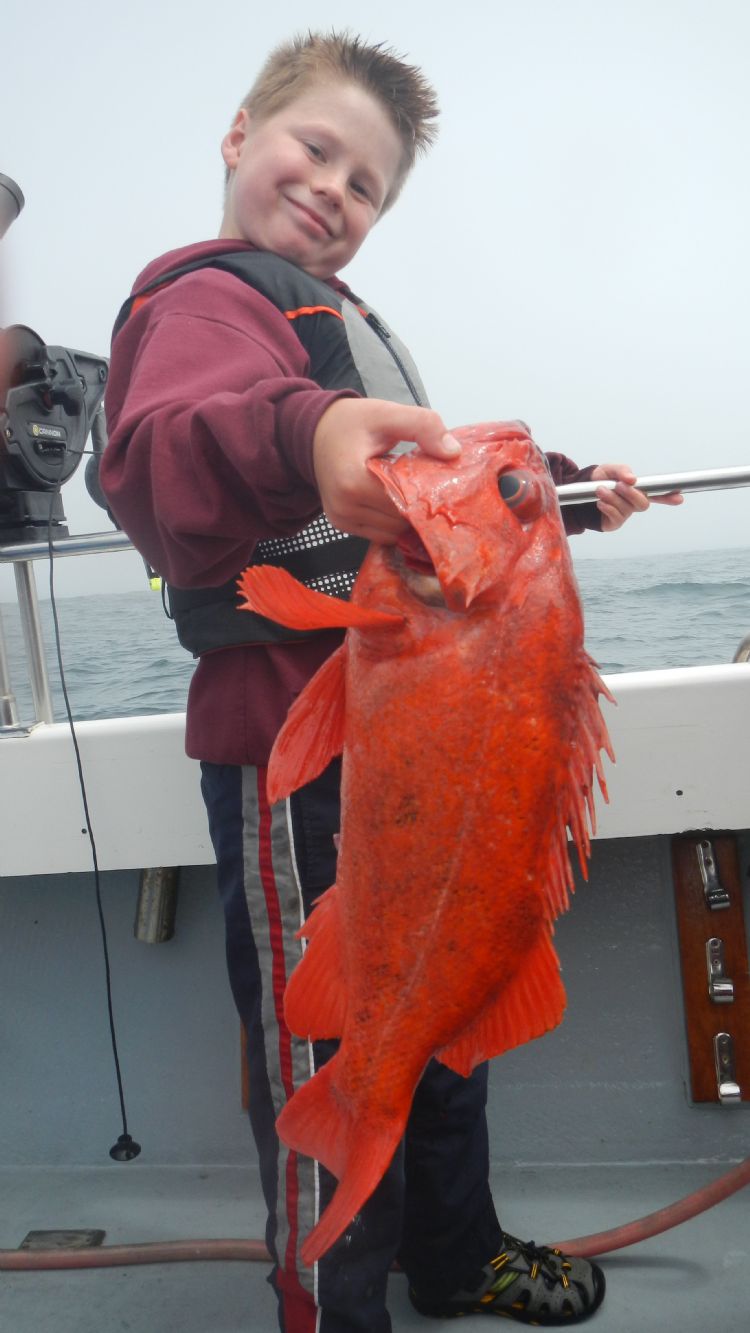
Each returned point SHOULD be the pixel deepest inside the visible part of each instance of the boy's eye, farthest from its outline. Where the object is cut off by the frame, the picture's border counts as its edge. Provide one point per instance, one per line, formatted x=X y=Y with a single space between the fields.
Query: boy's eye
x=362 y=190
x=314 y=150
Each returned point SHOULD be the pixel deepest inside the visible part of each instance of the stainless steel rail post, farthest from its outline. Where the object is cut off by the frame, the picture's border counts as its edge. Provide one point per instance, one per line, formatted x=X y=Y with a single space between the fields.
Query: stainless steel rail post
x=31 y=625
x=8 y=710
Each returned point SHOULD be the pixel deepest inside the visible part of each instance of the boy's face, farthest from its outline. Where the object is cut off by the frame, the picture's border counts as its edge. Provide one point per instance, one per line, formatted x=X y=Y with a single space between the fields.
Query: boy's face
x=310 y=181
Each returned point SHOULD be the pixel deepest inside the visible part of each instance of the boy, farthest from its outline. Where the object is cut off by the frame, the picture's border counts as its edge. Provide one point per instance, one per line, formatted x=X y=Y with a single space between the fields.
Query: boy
x=245 y=397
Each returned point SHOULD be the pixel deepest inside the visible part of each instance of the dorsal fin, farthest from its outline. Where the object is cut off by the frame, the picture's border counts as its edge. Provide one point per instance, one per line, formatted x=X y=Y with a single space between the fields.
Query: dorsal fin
x=577 y=811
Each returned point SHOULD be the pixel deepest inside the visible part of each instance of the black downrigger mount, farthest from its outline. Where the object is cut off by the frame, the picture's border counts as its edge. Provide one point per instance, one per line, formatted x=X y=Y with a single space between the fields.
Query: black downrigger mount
x=50 y=401
x=49 y=406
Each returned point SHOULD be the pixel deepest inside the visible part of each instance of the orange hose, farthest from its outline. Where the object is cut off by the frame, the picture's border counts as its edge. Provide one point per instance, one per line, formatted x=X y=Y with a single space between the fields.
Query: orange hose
x=254 y=1251
x=631 y=1233
x=121 y=1256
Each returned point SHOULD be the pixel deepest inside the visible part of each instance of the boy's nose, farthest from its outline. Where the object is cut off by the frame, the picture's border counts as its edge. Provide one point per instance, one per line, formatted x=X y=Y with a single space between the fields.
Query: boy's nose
x=329 y=183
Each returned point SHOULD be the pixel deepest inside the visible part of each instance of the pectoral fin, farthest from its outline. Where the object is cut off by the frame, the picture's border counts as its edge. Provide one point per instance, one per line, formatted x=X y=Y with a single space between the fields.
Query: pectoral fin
x=272 y=592
x=313 y=733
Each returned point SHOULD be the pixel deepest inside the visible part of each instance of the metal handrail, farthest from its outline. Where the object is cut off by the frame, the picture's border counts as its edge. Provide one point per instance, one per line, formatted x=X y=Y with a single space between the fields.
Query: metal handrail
x=709 y=479
x=89 y=543
x=22 y=555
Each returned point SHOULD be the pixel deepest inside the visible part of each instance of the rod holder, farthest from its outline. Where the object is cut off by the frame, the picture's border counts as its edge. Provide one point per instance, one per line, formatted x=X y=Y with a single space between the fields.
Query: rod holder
x=11 y=202
x=156 y=907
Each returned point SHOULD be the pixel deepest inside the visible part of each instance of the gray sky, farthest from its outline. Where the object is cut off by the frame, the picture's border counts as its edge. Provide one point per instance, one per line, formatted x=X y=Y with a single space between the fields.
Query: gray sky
x=574 y=251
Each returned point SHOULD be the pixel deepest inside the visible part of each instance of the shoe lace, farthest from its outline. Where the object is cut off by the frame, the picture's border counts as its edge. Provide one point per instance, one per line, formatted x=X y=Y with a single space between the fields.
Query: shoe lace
x=540 y=1259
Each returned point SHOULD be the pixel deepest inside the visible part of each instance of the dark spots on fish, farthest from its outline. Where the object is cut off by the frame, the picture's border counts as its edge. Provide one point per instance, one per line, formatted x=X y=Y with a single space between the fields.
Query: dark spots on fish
x=451 y=946
x=380 y=973
x=363 y=1015
x=407 y=812
x=467 y=889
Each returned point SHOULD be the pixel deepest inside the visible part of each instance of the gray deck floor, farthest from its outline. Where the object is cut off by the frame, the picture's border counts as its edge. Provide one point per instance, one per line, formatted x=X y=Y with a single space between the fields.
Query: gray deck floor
x=690 y=1279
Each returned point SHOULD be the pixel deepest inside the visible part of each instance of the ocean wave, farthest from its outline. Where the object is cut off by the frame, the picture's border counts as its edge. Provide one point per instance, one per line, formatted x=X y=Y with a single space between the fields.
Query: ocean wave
x=688 y=588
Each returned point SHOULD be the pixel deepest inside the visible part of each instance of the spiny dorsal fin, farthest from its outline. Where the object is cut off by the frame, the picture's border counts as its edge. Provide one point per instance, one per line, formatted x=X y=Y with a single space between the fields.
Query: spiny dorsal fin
x=577 y=811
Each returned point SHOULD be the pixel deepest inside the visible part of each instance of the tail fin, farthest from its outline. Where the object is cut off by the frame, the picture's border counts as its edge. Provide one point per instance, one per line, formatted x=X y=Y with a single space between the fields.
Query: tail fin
x=315 y=1122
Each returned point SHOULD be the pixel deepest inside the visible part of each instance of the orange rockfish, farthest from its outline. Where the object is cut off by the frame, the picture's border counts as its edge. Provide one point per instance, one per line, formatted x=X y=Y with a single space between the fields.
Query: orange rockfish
x=467 y=711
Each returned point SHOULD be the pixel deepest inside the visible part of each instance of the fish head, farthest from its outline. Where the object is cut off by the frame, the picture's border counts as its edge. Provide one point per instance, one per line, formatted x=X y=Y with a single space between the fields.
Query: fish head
x=478 y=521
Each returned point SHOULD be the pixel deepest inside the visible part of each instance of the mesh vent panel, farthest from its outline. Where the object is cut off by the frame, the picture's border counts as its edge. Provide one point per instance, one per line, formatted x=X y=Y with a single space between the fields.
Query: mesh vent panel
x=318 y=533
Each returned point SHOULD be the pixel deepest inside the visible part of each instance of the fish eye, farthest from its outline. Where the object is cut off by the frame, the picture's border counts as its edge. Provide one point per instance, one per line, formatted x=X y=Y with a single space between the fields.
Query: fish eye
x=522 y=494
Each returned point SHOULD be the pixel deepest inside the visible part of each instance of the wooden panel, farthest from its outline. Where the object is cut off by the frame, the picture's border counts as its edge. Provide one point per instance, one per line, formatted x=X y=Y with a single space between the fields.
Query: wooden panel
x=697 y=923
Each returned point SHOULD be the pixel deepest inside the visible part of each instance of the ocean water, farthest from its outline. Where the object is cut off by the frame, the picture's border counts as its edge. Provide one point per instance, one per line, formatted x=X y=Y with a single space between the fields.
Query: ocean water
x=121 y=655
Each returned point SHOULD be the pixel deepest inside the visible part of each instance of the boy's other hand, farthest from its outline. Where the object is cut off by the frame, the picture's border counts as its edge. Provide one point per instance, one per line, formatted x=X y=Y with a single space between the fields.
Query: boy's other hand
x=616 y=506
x=349 y=432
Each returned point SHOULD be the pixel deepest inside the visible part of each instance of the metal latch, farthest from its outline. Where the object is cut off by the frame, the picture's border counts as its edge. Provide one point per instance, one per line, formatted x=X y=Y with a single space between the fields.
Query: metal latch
x=720 y=986
x=716 y=896
x=61 y=1240
x=729 y=1089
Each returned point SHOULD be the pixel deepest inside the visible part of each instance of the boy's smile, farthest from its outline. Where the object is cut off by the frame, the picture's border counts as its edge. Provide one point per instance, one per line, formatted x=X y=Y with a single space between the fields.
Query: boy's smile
x=309 y=181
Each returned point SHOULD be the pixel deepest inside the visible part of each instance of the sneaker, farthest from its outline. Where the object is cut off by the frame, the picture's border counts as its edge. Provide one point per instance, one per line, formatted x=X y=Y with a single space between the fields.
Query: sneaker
x=527 y=1282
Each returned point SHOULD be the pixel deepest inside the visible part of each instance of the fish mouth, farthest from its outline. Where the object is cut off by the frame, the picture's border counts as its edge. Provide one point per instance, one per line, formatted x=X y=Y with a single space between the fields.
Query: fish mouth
x=414 y=565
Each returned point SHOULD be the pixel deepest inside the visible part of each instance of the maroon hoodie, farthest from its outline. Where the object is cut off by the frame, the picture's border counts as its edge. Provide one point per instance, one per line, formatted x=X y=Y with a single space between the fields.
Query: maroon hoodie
x=211 y=419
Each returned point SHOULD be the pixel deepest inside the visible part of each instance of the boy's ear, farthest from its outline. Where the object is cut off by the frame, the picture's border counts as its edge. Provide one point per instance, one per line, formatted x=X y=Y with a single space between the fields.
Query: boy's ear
x=233 y=140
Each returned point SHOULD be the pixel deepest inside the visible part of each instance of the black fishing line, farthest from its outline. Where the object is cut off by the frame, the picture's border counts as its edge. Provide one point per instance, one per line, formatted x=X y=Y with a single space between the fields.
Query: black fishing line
x=125 y=1149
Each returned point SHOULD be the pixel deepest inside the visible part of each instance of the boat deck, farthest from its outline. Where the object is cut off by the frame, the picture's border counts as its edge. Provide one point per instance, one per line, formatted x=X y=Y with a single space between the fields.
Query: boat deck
x=690 y=1278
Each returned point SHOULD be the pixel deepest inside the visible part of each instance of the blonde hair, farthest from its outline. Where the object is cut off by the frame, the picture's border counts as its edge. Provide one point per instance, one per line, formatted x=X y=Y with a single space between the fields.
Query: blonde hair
x=401 y=89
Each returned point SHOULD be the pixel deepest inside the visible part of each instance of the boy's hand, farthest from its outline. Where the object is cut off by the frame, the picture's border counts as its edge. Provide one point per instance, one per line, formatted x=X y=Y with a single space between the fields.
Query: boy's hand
x=349 y=432
x=616 y=506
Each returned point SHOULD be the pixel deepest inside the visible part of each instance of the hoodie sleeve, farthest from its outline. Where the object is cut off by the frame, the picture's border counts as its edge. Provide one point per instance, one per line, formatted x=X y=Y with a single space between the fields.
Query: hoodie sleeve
x=576 y=518
x=211 y=419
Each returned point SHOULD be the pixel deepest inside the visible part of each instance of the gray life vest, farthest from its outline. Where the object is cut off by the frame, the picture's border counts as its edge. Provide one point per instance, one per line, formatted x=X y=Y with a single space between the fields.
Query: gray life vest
x=349 y=347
